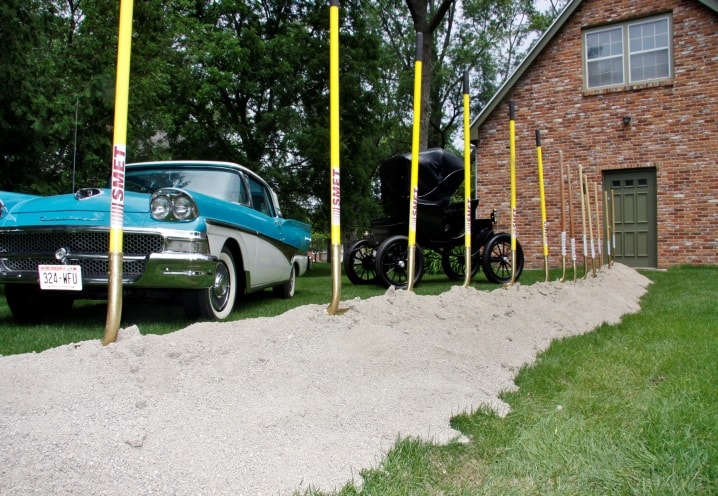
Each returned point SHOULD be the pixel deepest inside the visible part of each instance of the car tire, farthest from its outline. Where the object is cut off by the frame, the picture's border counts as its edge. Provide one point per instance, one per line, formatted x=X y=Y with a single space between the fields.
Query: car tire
x=216 y=302
x=286 y=290
x=28 y=303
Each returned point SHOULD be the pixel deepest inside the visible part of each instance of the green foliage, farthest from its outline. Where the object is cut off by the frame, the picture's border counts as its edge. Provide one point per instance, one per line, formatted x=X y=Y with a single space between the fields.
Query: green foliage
x=32 y=110
x=243 y=81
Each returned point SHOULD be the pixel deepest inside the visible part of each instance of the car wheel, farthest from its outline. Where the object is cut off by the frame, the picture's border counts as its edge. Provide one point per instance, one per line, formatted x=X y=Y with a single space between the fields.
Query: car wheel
x=28 y=303
x=287 y=289
x=216 y=302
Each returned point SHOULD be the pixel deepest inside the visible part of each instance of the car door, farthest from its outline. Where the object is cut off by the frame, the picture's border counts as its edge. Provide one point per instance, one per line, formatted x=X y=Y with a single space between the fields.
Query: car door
x=271 y=263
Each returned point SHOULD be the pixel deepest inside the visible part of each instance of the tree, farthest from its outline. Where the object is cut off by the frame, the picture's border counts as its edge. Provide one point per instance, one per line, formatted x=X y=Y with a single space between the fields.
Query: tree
x=17 y=34
x=255 y=91
x=245 y=81
x=427 y=18
x=34 y=113
x=57 y=124
x=486 y=37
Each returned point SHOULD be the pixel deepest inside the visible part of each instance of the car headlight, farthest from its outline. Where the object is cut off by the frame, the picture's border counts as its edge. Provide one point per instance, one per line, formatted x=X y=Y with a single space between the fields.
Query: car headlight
x=172 y=205
x=160 y=207
x=183 y=207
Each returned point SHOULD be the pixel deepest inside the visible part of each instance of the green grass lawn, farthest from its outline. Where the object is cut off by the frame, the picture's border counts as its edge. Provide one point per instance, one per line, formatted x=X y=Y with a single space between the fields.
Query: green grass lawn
x=87 y=319
x=627 y=409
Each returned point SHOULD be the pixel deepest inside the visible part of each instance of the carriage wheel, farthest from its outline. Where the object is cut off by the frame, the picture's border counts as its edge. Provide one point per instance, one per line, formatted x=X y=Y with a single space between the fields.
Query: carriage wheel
x=392 y=263
x=497 y=259
x=454 y=265
x=359 y=263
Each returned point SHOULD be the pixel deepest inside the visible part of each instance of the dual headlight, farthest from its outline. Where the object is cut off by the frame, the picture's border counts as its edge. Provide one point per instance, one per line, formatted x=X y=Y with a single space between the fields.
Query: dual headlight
x=172 y=205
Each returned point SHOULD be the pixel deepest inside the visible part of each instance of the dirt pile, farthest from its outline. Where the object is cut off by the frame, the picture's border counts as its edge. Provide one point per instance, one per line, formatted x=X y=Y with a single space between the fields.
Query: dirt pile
x=270 y=405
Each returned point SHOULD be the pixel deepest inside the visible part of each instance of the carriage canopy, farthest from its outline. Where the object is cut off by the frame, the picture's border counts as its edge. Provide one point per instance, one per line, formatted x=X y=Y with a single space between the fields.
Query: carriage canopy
x=440 y=175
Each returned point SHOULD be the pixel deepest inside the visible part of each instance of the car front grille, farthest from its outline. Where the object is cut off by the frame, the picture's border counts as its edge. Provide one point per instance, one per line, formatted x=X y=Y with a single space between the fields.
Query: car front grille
x=22 y=252
x=78 y=243
x=92 y=269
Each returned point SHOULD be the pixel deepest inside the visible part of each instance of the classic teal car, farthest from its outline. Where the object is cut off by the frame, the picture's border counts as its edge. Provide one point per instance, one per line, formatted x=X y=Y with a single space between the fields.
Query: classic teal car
x=200 y=232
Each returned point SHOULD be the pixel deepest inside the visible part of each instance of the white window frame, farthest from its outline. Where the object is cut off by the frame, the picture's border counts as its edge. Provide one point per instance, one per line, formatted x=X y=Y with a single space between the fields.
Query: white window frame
x=626 y=53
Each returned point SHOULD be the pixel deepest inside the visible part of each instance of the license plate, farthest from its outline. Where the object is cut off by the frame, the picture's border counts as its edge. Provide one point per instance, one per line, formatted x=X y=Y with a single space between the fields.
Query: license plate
x=67 y=277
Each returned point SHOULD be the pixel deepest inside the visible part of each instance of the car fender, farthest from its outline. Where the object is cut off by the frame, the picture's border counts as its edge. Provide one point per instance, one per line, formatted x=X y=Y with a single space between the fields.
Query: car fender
x=301 y=262
x=266 y=261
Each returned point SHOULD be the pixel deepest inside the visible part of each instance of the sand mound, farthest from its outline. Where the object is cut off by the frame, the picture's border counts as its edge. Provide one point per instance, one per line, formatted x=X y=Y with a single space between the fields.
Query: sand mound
x=267 y=406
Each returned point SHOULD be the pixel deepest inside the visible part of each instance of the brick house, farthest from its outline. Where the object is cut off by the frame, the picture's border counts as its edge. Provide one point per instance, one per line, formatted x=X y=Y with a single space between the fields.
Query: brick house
x=626 y=89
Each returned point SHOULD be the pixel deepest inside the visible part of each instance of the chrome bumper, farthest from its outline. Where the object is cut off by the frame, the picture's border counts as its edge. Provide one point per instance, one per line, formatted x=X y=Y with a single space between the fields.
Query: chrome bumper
x=161 y=270
x=163 y=259
x=181 y=271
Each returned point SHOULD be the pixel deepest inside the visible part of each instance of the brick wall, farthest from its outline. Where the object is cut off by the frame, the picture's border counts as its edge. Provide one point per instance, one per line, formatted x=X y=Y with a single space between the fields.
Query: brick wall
x=673 y=130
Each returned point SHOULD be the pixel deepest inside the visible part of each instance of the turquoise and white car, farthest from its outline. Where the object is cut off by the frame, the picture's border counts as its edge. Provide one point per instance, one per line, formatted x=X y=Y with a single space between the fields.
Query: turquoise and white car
x=202 y=232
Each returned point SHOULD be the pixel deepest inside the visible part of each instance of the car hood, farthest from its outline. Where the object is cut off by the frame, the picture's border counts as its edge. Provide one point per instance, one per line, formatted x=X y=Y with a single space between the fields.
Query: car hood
x=88 y=207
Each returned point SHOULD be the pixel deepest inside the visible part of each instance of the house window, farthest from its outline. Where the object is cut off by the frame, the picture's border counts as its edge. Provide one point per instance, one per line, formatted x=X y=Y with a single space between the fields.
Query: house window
x=629 y=53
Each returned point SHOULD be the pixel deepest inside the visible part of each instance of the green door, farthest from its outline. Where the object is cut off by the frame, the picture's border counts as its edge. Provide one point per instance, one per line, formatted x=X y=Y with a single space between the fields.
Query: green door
x=634 y=194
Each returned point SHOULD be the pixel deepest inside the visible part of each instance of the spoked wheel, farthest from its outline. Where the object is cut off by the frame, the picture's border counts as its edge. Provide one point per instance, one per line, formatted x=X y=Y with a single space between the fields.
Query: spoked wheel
x=453 y=262
x=497 y=259
x=359 y=263
x=392 y=263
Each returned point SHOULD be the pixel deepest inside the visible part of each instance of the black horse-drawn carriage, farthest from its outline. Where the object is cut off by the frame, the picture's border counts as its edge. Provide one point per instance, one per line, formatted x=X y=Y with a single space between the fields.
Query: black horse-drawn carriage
x=382 y=255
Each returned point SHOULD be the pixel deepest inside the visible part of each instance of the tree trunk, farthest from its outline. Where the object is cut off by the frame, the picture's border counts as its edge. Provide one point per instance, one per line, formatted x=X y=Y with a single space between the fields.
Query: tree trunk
x=425 y=25
x=426 y=106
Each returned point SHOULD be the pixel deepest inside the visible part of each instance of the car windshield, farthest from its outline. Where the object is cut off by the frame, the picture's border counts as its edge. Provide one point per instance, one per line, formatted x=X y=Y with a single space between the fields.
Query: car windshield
x=226 y=185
